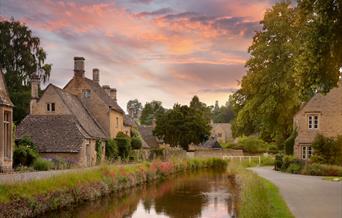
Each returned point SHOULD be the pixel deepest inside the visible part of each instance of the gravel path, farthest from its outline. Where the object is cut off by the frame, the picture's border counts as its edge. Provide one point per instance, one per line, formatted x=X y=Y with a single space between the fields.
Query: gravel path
x=306 y=196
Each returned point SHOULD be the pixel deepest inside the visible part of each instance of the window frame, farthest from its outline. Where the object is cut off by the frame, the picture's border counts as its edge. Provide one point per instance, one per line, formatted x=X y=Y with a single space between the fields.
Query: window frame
x=306 y=152
x=51 y=107
x=7 y=131
x=313 y=121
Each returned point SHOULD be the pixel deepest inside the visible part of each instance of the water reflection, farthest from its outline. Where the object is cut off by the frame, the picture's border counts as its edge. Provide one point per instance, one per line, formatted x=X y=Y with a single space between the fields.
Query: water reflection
x=203 y=194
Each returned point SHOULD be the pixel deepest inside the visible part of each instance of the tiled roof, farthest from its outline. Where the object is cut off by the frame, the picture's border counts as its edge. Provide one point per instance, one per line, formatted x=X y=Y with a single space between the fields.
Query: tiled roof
x=53 y=133
x=103 y=95
x=4 y=98
x=211 y=143
x=84 y=118
x=147 y=134
x=129 y=121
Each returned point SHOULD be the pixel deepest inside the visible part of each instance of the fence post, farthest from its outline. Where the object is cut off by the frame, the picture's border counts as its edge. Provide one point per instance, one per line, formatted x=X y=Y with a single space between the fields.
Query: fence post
x=250 y=159
x=259 y=160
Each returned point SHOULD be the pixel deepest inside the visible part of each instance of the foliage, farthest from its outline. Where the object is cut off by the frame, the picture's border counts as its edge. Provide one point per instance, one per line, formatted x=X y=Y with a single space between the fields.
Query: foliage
x=124 y=145
x=98 y=148
x=151 y=111
x=289 y=143
x=25 y=153
x=134 y=108
x=327 y=150
x=316 y=169
x=20 y=57
x=136 y=142
x=319 y=43
x=184 y=125
x=252 y=144
x=41 y=164
x=112 y=150
x=223 y=114
x=267 y=99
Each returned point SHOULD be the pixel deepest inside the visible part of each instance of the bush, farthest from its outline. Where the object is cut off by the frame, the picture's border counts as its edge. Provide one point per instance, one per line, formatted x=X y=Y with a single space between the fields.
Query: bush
x=112 y=150
x=289 y=143
x=136 y=142
x=316 y=169
x=24 y=156
x=252 y=144
x=327 y=150
x=295 y=168
x=278 y=163
x=124 y=145
x=42 y=165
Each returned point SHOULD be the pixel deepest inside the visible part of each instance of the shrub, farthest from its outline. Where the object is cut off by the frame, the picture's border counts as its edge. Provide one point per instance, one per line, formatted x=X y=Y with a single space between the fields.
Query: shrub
x=327 y=150
x=112 y=150
x=136 y=142
x=124 y=145
x=278 y=163
x=289 y=143
x=252 y=144
x=316 y=169
x=295 y=168
x=42 y=165
x=24 y=156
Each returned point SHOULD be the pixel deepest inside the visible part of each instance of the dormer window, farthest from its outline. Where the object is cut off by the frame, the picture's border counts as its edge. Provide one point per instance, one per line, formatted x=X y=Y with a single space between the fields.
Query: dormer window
x=50 y=107
x=313 y=121
x=86 y=93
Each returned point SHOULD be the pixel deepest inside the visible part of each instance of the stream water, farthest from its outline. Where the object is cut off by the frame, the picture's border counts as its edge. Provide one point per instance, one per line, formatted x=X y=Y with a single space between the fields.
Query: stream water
x=204 y=194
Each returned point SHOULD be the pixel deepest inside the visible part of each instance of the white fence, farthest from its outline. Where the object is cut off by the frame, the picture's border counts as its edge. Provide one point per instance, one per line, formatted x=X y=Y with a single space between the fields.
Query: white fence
x=241 y=158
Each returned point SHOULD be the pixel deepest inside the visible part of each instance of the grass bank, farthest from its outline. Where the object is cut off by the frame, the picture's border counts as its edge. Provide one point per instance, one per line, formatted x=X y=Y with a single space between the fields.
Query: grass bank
x=258 y=198
x=36 y=197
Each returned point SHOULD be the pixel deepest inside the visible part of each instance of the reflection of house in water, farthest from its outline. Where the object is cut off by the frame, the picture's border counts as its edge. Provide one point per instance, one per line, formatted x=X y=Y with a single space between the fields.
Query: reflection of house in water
x=6 y=123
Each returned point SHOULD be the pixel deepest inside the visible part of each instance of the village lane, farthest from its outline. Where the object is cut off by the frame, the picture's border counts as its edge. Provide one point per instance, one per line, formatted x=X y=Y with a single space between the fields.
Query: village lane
x=306 y=196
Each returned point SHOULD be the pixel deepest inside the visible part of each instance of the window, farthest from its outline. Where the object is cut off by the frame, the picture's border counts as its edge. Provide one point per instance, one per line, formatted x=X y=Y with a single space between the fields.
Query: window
x=306 y=152
x=86 y=93
x=117 y=122
x=313 y=121
x=50 y=107
x=7 y=134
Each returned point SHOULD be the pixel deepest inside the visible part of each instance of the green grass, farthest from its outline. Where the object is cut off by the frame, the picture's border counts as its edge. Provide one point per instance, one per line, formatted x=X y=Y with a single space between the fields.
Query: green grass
x=259 y=198
x=333 y=178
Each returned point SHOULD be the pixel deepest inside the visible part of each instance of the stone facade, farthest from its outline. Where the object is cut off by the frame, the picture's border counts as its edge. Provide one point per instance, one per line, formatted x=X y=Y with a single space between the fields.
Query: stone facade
x=222 y=132
x=66 y=123
x=6 y=128
x=320 y=115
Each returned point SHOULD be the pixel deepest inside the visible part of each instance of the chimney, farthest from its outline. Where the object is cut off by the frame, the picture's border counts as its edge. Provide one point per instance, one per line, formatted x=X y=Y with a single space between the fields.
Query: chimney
x=35 y=81
x=107 y=89
x=113 y=94
x=96 y=75
x=79 y=66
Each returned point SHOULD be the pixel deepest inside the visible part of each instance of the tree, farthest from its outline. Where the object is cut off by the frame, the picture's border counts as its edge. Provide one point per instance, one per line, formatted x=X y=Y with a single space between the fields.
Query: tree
x=268 y=97
x=151 y=111
x=134 y=108
x=223 y=114
x=20 y=57
x=184 y=125
x=317 y=67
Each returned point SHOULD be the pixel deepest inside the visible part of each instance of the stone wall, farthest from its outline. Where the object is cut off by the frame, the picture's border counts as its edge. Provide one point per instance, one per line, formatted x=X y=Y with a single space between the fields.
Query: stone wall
x=219 y=153
x=158 y=153
x=5 y=162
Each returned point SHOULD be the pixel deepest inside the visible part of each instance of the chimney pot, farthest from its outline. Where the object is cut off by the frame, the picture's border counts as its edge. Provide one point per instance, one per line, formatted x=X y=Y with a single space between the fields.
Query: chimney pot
x=96 y=75
x=113 y=94
x=106 y=89
x=79 y=66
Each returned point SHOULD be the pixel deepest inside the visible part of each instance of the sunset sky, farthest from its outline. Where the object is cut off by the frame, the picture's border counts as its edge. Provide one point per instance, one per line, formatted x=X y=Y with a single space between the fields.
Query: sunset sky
x=167 y=50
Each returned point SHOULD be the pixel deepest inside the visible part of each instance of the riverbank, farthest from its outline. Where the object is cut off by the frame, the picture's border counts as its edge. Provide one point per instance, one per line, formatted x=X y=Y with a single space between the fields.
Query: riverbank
x=258 y=198
x=36 y=197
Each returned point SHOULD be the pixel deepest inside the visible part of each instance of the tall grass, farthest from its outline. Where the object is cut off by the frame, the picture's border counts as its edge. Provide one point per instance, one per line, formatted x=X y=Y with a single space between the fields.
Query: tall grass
x=259 y=198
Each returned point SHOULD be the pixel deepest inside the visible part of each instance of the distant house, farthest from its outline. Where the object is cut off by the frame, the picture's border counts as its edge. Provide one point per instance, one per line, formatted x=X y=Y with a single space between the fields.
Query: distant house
x=322 y=114
x=6 y=125
x=67 y=123
x=221 y=131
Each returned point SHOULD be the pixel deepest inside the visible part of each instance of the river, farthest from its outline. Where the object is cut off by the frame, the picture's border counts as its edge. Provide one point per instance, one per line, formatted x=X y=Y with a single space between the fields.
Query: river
x=203 y=194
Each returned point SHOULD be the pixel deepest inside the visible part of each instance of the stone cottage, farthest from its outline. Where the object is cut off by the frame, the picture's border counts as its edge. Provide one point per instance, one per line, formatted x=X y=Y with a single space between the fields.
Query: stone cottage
x=322 y=114
x=6 y=125
x=66 y=123
x=221 y=131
